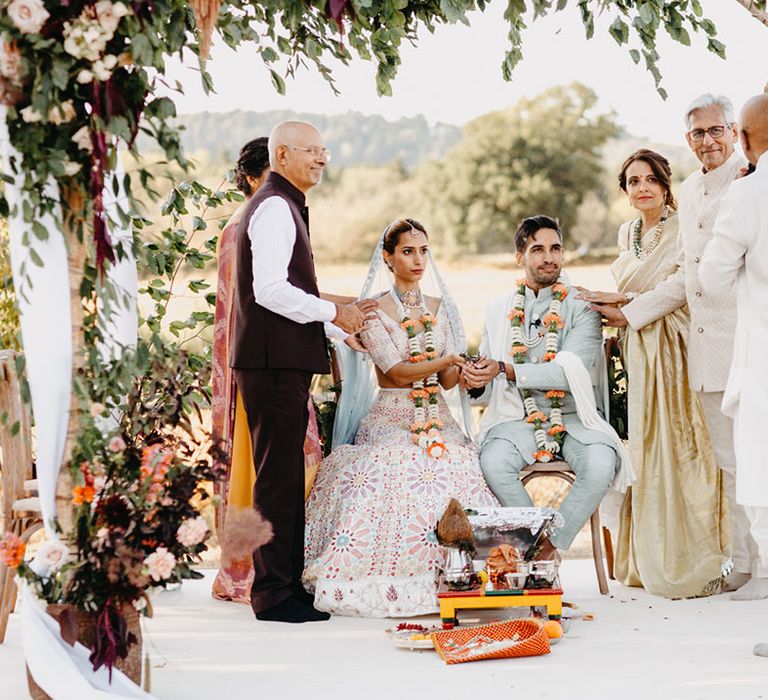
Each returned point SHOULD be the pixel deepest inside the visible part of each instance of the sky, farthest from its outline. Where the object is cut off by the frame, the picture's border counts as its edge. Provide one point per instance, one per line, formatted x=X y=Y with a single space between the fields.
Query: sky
x=455 y=74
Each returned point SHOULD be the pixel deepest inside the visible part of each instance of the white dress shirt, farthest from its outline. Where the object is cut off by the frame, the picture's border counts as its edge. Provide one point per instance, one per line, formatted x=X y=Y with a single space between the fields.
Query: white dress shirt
x=273 y=235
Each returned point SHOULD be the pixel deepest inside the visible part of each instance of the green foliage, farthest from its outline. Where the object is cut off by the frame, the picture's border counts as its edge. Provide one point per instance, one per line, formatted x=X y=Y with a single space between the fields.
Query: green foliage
x=9 y=312
x=541 y=156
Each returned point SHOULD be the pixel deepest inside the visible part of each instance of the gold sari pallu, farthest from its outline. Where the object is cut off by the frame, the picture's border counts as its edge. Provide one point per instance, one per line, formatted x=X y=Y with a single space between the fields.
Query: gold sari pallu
x=673 y=521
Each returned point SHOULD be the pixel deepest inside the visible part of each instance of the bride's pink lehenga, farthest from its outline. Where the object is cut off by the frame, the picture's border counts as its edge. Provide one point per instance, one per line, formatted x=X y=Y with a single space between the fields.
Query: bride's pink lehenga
x=370 y=545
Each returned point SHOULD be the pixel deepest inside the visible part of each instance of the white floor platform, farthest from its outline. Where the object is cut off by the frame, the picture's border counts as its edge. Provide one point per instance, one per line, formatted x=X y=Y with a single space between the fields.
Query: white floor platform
x=638 y=646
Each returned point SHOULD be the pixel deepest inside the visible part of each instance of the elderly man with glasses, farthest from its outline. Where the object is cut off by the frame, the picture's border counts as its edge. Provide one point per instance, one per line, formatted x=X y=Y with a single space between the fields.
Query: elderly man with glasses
x=278 y=343
x=712 y=135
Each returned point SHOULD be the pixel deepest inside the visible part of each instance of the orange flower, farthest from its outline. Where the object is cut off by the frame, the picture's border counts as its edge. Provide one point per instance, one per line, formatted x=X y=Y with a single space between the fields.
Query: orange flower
x=522 y=282
x=516 y=313
x=518 y=350
x=549 y=356
x=436 y=450
x=537 y=416
x=416 y=358
x=549 y=319
x=542 y=456
x=432 y=389
x=82 y=494
x=428 y=318
x=554 y=394
x=555 y=429
x=560 y=289
x=430 y=354
x=416 y=427
x=408 y=323
x=415 y=438
x=419 y=394
x=12 y=550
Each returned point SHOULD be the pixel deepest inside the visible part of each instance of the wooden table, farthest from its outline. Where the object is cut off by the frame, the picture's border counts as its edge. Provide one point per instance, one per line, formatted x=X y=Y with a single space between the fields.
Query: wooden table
x=451 y=601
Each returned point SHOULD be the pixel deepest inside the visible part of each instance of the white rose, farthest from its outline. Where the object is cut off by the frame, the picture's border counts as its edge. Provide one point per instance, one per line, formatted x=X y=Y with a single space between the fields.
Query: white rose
x=29 y=16
x=109 y=14
x=62 y=113
x=85 y=76
x=50 y=557
x=101 y=70
x=82 y=137
x=30 y=115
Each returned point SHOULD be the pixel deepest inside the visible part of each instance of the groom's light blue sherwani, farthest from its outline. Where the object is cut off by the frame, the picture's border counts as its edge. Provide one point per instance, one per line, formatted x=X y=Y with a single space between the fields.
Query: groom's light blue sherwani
x=508 y=444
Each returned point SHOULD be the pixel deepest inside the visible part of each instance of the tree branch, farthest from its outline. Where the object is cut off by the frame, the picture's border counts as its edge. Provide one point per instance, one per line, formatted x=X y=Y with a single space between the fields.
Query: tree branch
x=754 y=8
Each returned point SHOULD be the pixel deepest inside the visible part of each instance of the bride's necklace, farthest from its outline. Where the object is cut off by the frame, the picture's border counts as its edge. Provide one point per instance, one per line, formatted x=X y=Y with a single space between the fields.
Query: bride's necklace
x=410 y=298
x=642 y=252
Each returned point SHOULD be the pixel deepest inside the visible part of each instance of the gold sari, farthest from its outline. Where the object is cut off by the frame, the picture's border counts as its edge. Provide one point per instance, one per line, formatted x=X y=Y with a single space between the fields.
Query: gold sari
x=672 y=527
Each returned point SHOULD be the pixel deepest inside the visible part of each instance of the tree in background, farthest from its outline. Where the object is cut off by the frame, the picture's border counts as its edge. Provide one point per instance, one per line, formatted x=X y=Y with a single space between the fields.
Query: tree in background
x=541 y=156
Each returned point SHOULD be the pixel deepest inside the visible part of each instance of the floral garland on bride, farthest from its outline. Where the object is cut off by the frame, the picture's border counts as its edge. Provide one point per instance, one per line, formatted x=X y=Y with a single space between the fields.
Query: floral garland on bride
x=550 y=441
x=426 y=416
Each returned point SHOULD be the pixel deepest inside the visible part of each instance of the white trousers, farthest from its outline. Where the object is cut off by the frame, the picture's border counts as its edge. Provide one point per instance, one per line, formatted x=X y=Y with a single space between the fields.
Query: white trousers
x=749 y=541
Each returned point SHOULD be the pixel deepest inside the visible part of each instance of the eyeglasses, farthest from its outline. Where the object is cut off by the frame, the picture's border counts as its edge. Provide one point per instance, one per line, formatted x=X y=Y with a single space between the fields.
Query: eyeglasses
x=316 y=151
x=714 y=131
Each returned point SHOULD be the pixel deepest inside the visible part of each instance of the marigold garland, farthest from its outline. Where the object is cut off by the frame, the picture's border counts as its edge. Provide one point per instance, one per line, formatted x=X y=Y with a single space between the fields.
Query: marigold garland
x=424 y=392
x=548 y=441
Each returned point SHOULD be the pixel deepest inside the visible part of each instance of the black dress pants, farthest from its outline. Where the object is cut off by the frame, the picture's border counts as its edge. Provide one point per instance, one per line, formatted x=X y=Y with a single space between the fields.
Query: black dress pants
x=275 y=402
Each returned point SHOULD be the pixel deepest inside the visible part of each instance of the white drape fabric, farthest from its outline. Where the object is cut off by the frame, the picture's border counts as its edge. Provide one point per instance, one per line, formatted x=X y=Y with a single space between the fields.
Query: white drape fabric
x=42 y=291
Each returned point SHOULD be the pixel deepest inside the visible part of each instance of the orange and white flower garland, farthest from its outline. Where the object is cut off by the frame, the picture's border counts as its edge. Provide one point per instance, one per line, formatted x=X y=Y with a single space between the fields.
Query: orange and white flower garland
x=548 y=441
x=426 y=411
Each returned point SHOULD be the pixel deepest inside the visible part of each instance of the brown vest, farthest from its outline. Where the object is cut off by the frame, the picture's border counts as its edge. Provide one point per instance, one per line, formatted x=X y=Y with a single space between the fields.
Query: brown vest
x=261 y=338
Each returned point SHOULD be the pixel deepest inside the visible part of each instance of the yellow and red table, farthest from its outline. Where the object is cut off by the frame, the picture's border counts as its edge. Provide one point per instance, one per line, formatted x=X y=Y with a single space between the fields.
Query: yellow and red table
x=480 y=598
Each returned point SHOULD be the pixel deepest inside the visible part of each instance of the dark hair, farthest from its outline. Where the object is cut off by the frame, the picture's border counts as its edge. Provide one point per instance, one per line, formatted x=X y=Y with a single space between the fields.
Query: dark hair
x=530 y=226
x=660 y=167
x=252 y=162
x=396 y=229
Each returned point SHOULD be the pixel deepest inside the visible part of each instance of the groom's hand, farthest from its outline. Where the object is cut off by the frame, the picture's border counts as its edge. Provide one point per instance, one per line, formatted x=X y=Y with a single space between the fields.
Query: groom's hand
x=479 y=373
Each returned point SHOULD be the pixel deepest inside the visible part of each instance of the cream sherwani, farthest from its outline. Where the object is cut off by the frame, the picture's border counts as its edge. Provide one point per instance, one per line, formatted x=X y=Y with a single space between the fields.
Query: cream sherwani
x=713 y=324
x=737 y=257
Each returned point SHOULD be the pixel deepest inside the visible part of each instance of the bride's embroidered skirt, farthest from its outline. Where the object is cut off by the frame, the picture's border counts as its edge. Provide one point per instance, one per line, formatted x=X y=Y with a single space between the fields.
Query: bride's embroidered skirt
x=370 y=545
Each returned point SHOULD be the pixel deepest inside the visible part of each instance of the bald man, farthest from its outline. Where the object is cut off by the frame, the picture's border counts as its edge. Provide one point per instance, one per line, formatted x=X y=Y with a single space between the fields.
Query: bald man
x=737 y=256
x=278 y=343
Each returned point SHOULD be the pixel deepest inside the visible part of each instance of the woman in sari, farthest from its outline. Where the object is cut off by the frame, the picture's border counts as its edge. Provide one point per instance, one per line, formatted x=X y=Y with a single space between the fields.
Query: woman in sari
x=229 y=425
x=671 y=529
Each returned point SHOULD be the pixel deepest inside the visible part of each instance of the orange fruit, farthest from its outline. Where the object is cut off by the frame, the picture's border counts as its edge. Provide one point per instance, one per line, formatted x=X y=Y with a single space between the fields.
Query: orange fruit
x=553 y=629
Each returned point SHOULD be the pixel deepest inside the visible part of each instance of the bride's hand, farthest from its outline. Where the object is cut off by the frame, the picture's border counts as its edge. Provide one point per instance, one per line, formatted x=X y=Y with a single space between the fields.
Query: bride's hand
x=607 y=298
x=457 y=361
x=355 y=343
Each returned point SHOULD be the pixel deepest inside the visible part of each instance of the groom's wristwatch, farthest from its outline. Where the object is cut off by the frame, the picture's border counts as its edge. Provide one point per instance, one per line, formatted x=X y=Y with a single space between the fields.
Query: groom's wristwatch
x=502 y=368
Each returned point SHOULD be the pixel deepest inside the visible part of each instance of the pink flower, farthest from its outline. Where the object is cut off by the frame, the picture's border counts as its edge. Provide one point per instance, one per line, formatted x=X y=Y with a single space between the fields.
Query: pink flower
x=50 y=557
x=160 y=564
x=117 y=444
x=192 y=531
x=29 y=16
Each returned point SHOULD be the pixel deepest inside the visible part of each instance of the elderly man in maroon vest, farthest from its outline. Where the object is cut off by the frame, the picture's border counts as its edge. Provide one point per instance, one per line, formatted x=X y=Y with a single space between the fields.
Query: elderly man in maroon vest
x=279 y=342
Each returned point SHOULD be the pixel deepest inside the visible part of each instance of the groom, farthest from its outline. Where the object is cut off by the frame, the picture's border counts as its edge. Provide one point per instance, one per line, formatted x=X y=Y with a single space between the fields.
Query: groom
x=507 y=437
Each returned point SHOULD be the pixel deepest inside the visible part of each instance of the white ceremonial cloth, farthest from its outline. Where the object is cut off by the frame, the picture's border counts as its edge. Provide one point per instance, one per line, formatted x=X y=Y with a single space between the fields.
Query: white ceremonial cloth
x=738 y=255
x=580 y=384
x=46 y=328
x=273 y=236
x=62 y=671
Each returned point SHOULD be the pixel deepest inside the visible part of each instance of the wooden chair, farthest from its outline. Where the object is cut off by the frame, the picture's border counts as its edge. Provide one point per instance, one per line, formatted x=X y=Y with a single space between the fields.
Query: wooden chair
x=562 y=470
x=21 y=508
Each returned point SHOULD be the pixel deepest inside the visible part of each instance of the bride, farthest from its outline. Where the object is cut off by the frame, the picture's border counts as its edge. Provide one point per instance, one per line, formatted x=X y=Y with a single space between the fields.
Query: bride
x=370 y=546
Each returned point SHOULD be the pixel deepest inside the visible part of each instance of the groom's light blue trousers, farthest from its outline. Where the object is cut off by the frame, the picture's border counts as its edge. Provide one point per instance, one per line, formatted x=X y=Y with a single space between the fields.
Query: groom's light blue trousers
x=593 y=465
